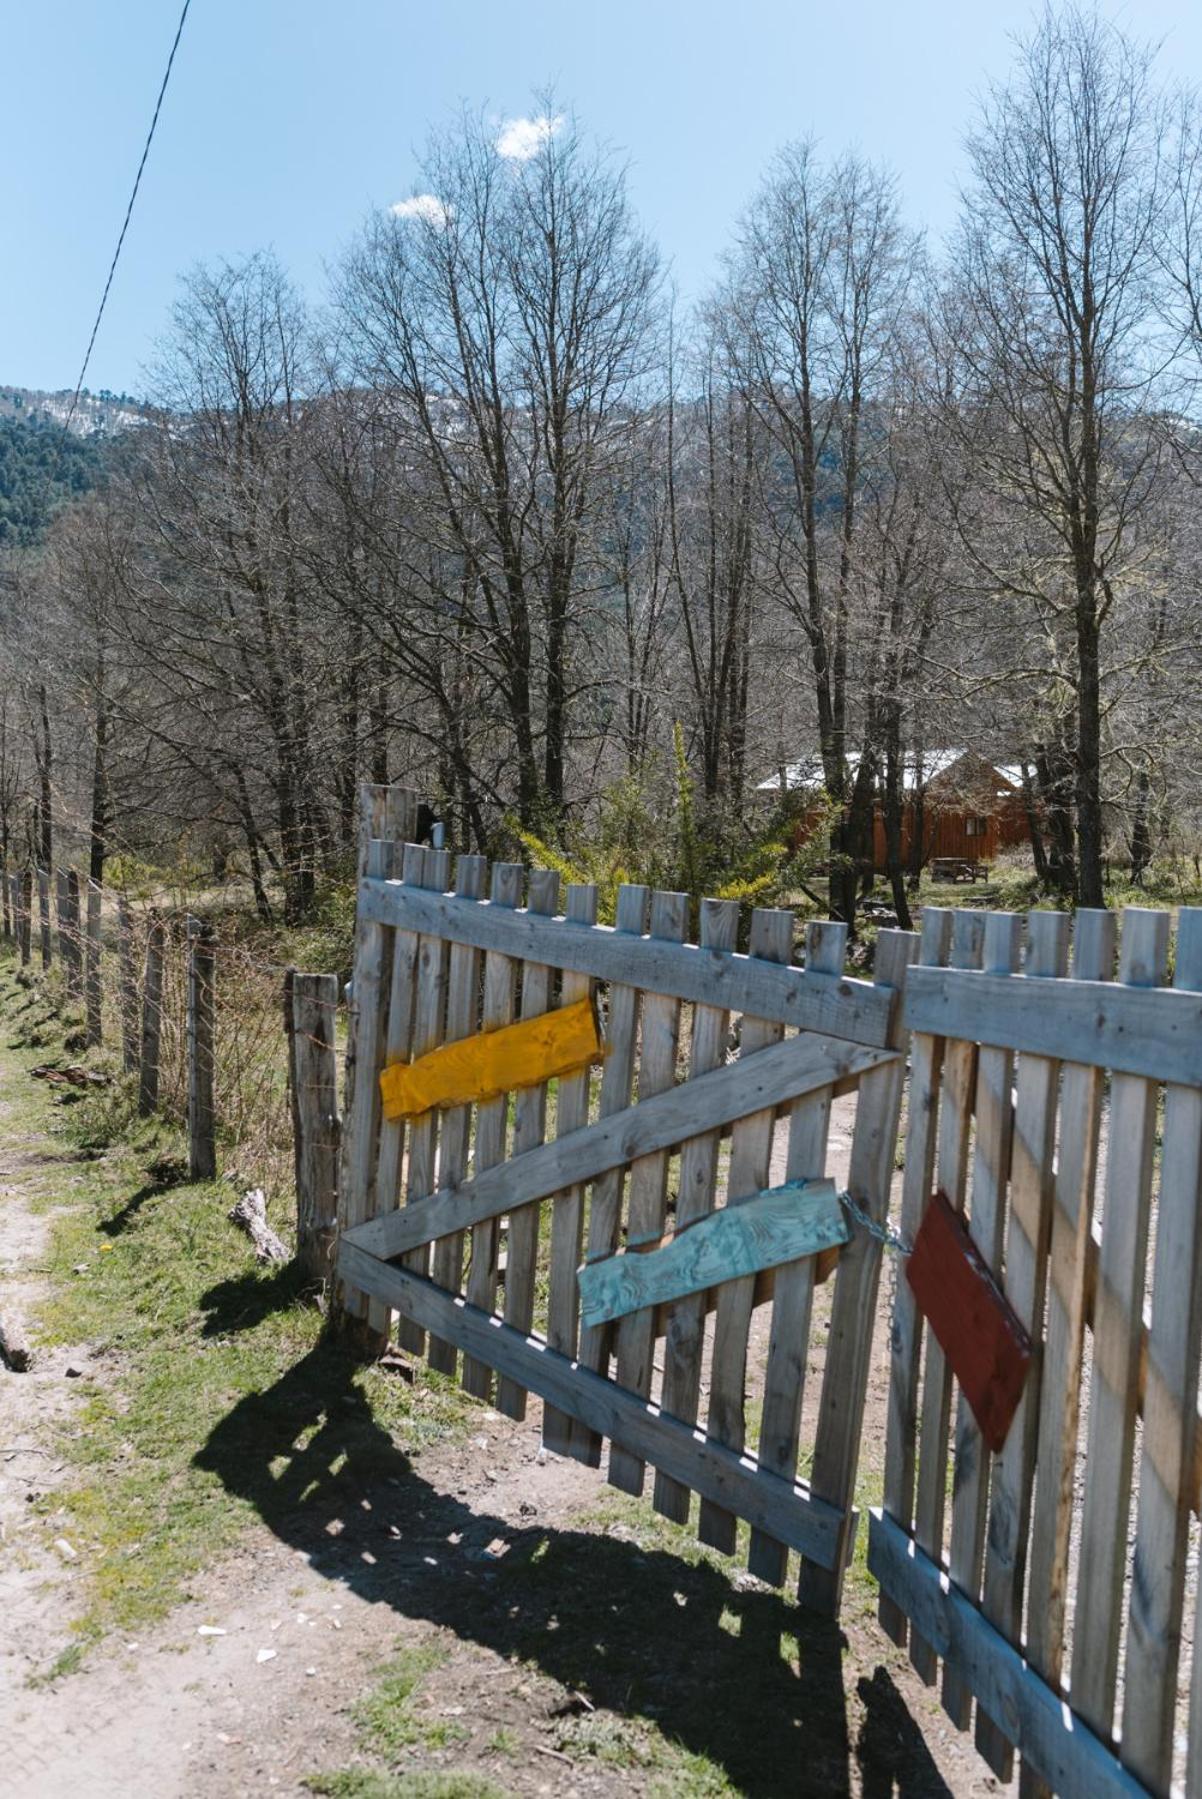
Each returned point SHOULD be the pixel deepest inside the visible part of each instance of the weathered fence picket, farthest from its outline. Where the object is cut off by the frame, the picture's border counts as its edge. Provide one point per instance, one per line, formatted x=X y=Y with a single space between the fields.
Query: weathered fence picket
x=1093 y=1085
x=311 y=1002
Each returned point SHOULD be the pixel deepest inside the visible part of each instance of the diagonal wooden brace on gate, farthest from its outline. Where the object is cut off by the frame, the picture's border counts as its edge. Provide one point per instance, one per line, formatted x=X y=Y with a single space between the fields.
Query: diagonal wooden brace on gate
x=753 y=1084
x=785 y=1509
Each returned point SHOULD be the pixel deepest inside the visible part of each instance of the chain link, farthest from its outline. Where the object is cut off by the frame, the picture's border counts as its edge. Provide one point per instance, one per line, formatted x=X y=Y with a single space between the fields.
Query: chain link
x=889 y=1239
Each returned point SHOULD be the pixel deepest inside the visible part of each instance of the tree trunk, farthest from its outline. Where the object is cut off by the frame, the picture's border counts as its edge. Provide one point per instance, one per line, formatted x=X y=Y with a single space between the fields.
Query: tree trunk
x=1141 y=829
x=98 y=836
x=45 y=811
x=893 y=830
x=1089 y=756
x=1038 y=849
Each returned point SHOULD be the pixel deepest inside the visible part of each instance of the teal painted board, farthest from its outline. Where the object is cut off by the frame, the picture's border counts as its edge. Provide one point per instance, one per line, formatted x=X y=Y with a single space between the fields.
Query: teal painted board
x=782 y=1224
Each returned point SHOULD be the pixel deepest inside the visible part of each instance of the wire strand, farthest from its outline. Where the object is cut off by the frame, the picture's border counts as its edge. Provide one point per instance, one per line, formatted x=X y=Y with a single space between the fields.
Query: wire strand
x=158 y=107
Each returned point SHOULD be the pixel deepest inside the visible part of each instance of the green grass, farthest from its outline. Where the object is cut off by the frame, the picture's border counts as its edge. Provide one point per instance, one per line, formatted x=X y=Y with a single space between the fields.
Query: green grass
x=362 y=1783
x=387 y=1721
x=182 y=1329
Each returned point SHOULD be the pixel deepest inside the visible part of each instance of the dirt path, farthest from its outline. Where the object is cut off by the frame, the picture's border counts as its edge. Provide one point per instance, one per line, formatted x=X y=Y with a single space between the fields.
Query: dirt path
x=543 y=1635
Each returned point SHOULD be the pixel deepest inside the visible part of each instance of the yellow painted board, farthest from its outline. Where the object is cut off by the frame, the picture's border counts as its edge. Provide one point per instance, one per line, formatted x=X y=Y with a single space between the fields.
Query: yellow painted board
x=494 y=1062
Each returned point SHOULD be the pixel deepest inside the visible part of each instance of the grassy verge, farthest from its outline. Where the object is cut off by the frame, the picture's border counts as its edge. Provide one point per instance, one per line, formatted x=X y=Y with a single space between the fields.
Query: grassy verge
x=179 y=1326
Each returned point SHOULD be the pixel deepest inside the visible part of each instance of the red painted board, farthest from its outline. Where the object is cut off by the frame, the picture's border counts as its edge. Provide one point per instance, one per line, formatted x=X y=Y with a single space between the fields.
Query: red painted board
x=987 y=1348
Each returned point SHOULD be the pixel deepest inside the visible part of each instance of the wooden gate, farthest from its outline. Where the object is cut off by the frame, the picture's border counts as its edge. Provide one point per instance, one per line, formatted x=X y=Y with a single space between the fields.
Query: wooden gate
x=1063 y=1118
x=470 y=1218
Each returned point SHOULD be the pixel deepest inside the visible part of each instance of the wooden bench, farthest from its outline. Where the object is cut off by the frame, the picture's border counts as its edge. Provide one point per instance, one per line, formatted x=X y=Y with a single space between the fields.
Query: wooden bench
x=958 y=869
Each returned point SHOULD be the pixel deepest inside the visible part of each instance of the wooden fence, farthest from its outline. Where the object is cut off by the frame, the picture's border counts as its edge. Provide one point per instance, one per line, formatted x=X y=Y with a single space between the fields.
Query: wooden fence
x=255 y=1080
x=1057 y=1579
x=580 y=1165
x=1044 y=1567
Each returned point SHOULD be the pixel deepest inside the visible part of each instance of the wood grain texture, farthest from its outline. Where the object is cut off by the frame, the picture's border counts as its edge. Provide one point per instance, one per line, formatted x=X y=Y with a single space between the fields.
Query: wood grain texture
x=836 y=1005
x=779 y=1225
x=604 y=1409
x=957 y=1089
x=399 y=1000
x=742 y=1089
x=463 y=1014
x=750 y=1161
x=793 y=1291
x=497 y=1009
x=529 y=1129
x=360 y=1135
x=567 y=1208
x=684 y=1326
x=1032 y=1178
x=1127 y=1029
x=994 y=1112
x=905 y=1342
x=647 y=1180
x=853 y=1308
x=1073 y=1761
x=1118 y=1319
x=1064 y=1332
x=313 y=1075
x=1170 y=1432
x=429 y=1025
x=605 y=1200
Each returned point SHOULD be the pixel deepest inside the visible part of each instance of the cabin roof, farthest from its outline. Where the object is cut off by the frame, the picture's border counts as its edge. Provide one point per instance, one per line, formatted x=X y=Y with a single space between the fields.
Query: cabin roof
x=936 y=766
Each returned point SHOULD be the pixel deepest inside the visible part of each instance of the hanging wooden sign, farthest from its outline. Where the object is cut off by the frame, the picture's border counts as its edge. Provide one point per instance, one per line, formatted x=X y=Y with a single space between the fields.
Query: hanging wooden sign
x=490 y=1063
x=980 y=1334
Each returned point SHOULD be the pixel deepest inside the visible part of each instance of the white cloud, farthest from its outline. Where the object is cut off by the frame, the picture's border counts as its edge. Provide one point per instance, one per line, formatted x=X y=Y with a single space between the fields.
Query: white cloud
x=521 y=139
x=426 y=207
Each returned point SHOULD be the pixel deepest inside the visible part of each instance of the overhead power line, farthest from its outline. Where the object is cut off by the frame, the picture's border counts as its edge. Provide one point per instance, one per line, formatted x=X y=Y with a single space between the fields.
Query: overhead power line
x=158 y=107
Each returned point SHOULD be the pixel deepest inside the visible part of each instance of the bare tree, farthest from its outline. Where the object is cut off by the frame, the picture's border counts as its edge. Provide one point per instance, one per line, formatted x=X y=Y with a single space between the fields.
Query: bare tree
x=819 y=285
x=1058 y=371
x=507 y=314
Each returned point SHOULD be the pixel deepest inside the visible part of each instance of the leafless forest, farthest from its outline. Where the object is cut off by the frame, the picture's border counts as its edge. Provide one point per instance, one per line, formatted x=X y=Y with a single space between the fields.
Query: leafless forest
x=500 y=519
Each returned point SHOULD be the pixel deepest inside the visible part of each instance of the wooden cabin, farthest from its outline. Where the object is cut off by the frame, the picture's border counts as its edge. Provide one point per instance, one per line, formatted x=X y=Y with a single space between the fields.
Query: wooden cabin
x=970 y=808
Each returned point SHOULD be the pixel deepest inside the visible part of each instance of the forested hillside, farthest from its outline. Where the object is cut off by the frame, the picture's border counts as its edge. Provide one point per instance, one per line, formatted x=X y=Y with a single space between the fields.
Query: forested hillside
x=41 y=466
x=493 y=521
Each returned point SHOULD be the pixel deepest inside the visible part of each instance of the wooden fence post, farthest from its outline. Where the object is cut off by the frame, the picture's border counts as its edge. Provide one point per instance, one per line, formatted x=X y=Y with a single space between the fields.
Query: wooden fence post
x=93 y=1028
x=311 y=1011
x=202 y=963
x=152 y=1018
x=75 y=961
x=44 y=915
x=25 y=885
x=5 y=913
x=129 y=986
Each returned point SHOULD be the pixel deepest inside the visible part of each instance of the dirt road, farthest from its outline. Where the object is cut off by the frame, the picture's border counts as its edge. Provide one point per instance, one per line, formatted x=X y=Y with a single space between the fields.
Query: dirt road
x=538 y=1634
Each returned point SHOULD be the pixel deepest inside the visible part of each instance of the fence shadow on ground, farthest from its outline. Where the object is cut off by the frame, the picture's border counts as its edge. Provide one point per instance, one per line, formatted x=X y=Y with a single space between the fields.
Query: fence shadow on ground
x=641 y=1632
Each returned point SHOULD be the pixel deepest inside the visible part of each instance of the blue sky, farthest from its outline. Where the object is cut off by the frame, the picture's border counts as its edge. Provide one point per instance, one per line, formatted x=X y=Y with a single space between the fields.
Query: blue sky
x=288 y=120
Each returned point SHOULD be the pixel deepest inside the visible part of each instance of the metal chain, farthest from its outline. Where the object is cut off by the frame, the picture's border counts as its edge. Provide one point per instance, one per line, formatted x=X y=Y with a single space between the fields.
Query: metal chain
x=889 y=1239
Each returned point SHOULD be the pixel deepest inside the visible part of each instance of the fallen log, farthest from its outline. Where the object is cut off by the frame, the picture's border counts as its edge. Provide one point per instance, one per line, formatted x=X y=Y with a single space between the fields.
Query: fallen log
x=250 y=1215
x=73 y=1074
